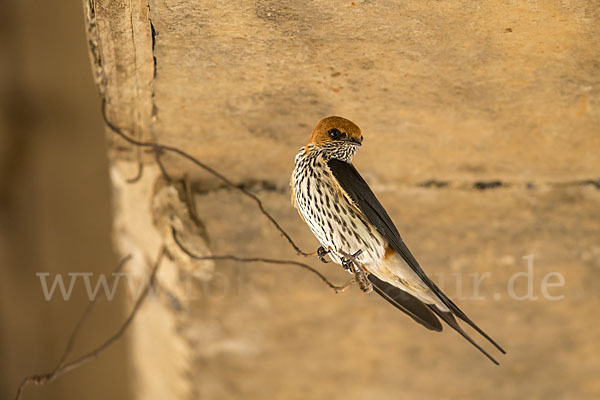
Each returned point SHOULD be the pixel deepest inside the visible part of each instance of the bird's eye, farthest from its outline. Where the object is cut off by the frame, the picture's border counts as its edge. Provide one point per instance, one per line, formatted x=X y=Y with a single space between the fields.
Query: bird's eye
x=334 y=133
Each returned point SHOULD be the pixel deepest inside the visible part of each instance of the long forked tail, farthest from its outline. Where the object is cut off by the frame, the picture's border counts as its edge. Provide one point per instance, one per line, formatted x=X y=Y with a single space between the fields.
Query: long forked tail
x=462 y=316
x=448 y=318
x=425 y=314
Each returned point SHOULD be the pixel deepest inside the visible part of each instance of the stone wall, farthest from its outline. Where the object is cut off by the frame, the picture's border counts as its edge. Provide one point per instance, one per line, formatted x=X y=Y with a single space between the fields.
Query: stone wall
x=481 y=138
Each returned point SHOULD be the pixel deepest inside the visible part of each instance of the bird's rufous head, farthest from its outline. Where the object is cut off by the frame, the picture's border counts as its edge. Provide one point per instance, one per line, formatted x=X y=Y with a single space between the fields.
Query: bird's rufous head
x=335 y=130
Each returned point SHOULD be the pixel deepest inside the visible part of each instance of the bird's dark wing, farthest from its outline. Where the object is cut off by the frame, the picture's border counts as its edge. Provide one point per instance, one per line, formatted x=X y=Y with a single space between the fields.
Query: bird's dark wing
x=406 y=303
x=364 y=198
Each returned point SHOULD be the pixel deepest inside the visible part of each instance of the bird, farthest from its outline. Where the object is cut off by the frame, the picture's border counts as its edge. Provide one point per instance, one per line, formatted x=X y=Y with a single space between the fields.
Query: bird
x=356 y=232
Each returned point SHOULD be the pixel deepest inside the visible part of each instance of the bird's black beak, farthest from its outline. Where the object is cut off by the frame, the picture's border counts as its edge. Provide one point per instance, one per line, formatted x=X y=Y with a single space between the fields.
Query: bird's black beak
x=356 y=141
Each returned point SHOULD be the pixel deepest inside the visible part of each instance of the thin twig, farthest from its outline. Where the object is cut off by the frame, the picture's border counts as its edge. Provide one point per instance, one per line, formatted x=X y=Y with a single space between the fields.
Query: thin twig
x=159 y=147
x=42 y=379
x=86 y=314
x=336 y=288
x=163 y=170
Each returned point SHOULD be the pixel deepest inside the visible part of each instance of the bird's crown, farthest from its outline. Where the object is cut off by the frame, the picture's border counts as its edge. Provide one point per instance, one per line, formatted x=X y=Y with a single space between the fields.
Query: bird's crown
x=335 y=129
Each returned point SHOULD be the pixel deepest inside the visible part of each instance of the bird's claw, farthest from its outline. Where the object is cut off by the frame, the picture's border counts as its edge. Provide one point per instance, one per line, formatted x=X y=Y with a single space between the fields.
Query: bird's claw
x=363 y=281
x=347 y=264
x=350 y=263
x=321 y=253
x=350 y=259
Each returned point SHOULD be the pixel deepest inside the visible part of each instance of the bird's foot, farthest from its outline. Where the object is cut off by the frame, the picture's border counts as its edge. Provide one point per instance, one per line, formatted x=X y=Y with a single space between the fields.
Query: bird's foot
x=350 y=263
x=321 y=253
x=349 y=259
x=361 y=277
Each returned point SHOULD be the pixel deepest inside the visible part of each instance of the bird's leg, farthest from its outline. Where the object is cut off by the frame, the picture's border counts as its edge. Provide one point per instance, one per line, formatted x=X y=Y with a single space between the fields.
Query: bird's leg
x=350 y=263
x=349 y=259
x=321 y=253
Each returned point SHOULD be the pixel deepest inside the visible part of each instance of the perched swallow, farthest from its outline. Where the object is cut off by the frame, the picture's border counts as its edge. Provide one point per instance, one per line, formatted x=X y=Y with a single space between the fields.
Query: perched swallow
x=356 y=232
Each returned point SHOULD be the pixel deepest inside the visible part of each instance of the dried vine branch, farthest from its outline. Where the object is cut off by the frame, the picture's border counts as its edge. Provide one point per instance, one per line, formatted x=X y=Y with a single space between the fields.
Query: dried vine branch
x=159 y=148
x=62 y=368
x=336 y=288
x=86 y=314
